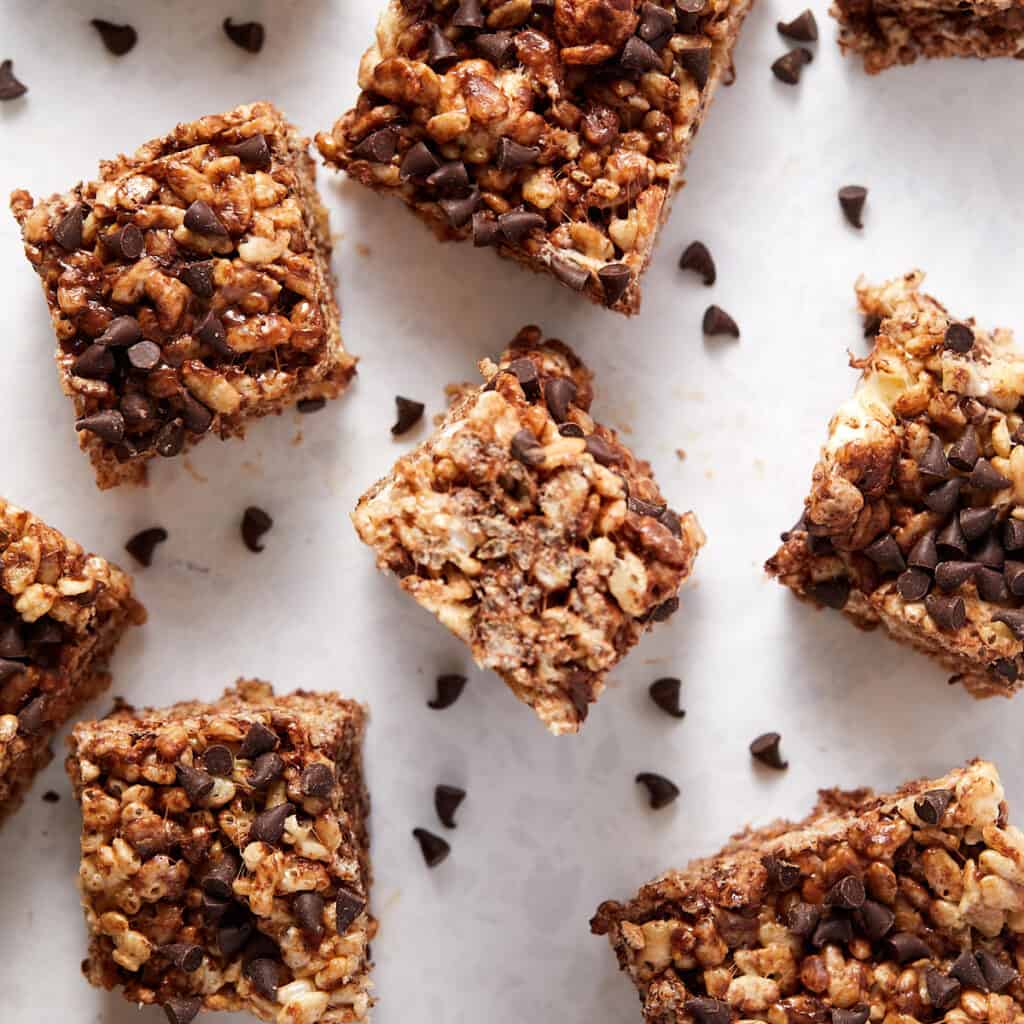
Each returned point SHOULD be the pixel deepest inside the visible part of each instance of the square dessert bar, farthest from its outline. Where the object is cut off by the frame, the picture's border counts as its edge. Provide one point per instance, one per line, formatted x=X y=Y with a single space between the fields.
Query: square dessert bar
x=532 y=532
x=554 y=131
x=890 y=32
x=62 y=612
x=915 y=518
x=900 y=908
x=225 y=857
x=189 y=288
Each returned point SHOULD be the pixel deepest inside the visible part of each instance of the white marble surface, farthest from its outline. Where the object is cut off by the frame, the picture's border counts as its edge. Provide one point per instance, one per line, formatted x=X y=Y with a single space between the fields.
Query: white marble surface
x=551 y=826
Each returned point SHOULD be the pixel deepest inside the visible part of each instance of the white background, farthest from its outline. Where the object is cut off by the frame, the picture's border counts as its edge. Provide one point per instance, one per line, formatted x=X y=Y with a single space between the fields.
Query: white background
x=551 y=826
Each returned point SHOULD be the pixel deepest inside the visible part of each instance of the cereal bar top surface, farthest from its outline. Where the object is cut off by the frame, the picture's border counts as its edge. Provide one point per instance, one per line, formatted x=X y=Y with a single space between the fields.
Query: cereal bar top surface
x=916 y=512
x=553 y=130
x=905 y=907
x=532 y=532
x=188 y=287
x=225 y=854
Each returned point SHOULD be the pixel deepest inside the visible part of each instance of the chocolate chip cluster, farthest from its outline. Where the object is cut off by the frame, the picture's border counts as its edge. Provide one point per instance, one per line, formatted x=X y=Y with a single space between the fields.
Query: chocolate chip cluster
x=189 y=288
x=225 y=856
x=551 y=130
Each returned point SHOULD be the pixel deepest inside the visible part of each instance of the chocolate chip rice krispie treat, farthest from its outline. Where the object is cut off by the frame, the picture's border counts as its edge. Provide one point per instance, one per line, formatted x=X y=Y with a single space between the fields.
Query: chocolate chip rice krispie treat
x=554 y=131
x=62 y=612
x=890 y=32
x=915 y=518
x=901 y=908
x=190 y=288
x=225 y=856
x=532 y=532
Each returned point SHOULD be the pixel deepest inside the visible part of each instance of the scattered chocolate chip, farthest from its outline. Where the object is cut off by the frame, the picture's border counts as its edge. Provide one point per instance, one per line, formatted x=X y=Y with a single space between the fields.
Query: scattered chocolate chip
x=144 y=356
x=959 y=338
x=107 y=425
x=765 y=748
x=232 y=937
x=661 y=791
x=310 y=405
x=460 y=211
x=933 y=464
x=875 y=920
x=717 y=321
x=656 y=25
x=931 y=806
x=51 y=796
x=378 y=147
x=512 y=156
x=210 y=331
x=258 y=740
x=308 y=908
x=440 y=49
x=638 y=57
x=847 y=894
x=95 y=363
x=671 y=522
x=268 y=826
x=248 y=35
x=665 y=693
x=516 y=225
x=125 y=243
x=697 y=257
x=832 y=929
x=948 y=612
x=68 y=232
x=348 y=905
x=121 y=332
x=497 y=47
x=924 y=554
x=907 y=947
x=1013 y=573
x=803 y=28
x=186 y=956
x=997 y=973
x=832 y=593
x=410 y=413
x=527 y=449
x=418 y=162
x=953 y=575
x=615 y=279
x=853 y=1015
x=197 y=784
x=255 y=523
x=706 y=1010
x=1012 y=617
x=485 y=229
x=886 y=554
x=170 y=439
x=214 y=908
x=10 y=87
x=570 y=430
x=449 y=689
x=966 y=451
x=203 y=221
x=469 y=14
x=265 y=975
x=219 y=879
x=803 y=919
x=198 y=278
x=1013 y=535
x=782 y=875
x=143 y=544
x=254 y=152
x=559 y=395
x=789 y=66
x=317 y=780
x=446 y=803
x=525 y=372
x=968 y=972
x=196 y=417
x=265 y=769
x=434 y=848
x=569 y=272
x=644 y=508
x=601 y=451
x=872 y=325
x=182 y=1009
x=976 y=522
x=985 y=477
x=581 y=694
x=951 y=538
x=943 y=992
x=851 y=200
x=218 y=760
x=696 y=61
x=118 y=39
x=31 y=718
x=991 y=585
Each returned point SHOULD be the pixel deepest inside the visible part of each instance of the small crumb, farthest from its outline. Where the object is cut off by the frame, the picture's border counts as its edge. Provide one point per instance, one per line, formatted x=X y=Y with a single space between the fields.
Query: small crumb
x=193 y=472
x=51 y=796
x=364 y=250
x=297 y=439
x=681 y=454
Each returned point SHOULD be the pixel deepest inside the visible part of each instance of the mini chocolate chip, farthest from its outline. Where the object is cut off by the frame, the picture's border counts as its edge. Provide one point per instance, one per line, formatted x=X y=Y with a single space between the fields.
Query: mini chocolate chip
x=973 y=410
x=789 y=66
x=991 y=585
x=985 y=477
x=953 y=575
x=948 y=612
x=497 y=47
x=144 y=356
x=570 y=430
x=485 y=229
x=203 y=221
x=142 y=545
x=516 y=225
x=449 y=689
x=951 y=538
x=803 y=28
x=1013 y=535
x=615 y=279
x=121 y=332
x=95 y=363
x=378 y=147
x=638 y=56
x=51 y=797
x=848 y=893
x=852 y=199
x=1013 y=573
x=433 y=848
x=255 y=523
x=976 y=522
x=527 y=449
x=665 y=693
x=249 y=35
x=644 y=508
x=182 y=1009
x=310 y=405
x=254 y=152
x=569 y=272
x=524 y=370
x=656 y=25
x=446 y=803
x=964 y=453
x=512 y=156
x=931 y=806
x=308 y=908
x=197 y=784
x=967 y=971
x=348 y=905
x=170 y=439
x=468 y=14
x=944 y=498
x=943 y=992
x=218 y=760
x=997 y=973
x=125 y=243
x=782 y=875
x=418 y=162
x=214 y=908
x=459 y=212
x=410 y=413
x=717 y=321
x=854 y=1015
x=268 y=826
x=186 y=956
x=118 y=39
x=661 y=791
x=196 y=417
x=1012 y=617
x=706 y=1010
x=107 y=425
x=924 y=554
x=232 y=937
x=219 y=879
x=601 y=451
x=265 y=769
x=803 y=919
x=934 y=465
x=832 y=929
x=317 y=780
x=875 y=920
x=210 y=331
x=886 y=554
x=10 y=87
x=258 y=740
x=440 y=49
x=198 y=278
x=696 y=61
x=765 y=748
x=32 y=716
x=671 y=522
x=697 y=257
x=832 y=593
x=907 y=947
x=265 y=976
x=68 y=232
x=959 y=338
x=559 y=395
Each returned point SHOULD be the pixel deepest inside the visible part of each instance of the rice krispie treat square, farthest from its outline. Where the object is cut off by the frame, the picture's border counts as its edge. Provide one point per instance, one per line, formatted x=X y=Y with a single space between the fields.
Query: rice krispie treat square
x=62 y=612
x=915 y=519
x=898 y=908
x=532 y=532
x=190 y=289
x=225 y=855
x=553 y=131
x=886 y=33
